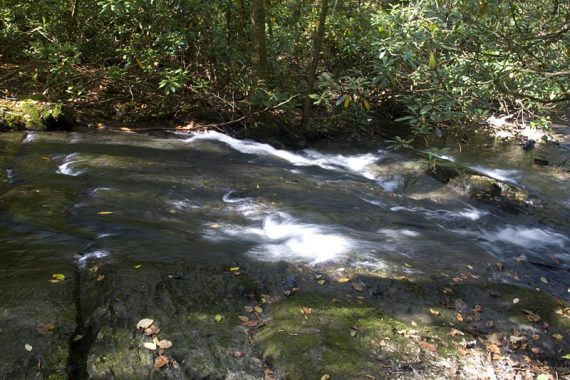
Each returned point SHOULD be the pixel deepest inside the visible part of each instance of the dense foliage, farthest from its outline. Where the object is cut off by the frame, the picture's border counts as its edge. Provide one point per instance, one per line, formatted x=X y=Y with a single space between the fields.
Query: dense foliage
x=434 y=63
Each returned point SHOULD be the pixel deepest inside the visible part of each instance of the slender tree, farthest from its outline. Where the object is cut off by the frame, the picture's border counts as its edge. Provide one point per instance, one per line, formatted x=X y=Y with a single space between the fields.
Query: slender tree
x=259 y=56
x=312 y=69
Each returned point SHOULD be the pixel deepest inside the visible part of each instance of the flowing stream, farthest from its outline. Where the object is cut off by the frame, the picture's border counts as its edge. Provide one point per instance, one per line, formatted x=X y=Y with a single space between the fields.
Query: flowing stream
x=69 y=200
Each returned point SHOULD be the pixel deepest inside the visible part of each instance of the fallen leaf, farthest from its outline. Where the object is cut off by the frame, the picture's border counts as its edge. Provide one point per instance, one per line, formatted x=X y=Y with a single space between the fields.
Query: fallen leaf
x=145 y=323
x=234 y=269
x=137 y=266
x=149 y=346
x=470 y=267
x=160 y=361
x=258 y=309
x=493 y=348
x=543 y=376
x=249 y=324
x=567 y=357
x=307 y=310
x=447 y=290
x=557 y=337
x=428 y=346
x=152 y=330
x=455 y=332
x=435 y=312
x=326 y=376
x=99 y=278
x=535 y=337
x=531 y=316
x=459 y=317
x=321 y=281
x=164 y=344
x=104 y=212
x=44 y=328
x=28 y=347
x=77 y=337
x=243 y=318
x=342 y=280
x=407 y=265
x=543 y=279
x=516 y=300
x=218 y=318
x=536 y=350
x=358 y=286
x=57 y=277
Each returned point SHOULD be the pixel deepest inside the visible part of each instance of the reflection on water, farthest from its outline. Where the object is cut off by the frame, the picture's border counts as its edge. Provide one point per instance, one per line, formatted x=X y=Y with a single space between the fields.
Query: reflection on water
x=210 y=197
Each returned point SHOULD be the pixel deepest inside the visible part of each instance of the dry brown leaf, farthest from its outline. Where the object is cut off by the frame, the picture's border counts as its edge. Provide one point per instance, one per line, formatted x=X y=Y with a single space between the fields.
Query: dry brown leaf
x=493 y=348
x=434 y=312
x=149 y=346
x=160 y=361
x=531 y=316
x=152 y=330
x=455 y=332
x=99 y=278
x=164 y=344
x=359 y=286
x=459 y=317
x=44 y=328
x=145 y=323
x=428 y=346
x=249 y=324
x=243 y=318
x=557 y=337
x=307 y=310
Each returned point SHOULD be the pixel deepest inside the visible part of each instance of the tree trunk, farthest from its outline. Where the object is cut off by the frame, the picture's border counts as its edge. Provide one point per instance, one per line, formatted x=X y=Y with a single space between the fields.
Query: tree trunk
x=259 y=56
x=312 y=70
x=72 y=20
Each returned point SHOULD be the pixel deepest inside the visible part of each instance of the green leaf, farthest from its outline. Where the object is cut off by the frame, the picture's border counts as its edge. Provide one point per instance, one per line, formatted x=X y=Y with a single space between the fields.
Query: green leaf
x=340 y=100
x=218 y=318
x=567 y=357
x=432 y=63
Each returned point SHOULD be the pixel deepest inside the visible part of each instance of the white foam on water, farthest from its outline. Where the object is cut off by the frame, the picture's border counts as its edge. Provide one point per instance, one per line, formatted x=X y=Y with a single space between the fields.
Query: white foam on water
x=392 y=184
x=31 y=136
x=98 y=254
x=228 y=199
x=98 y=189
x=356 y=164
x=533 y=238
x=182 y=204
x=67 y=167
x=399 y=233
x=284 y=238
x=470 y=213
x=498 y=174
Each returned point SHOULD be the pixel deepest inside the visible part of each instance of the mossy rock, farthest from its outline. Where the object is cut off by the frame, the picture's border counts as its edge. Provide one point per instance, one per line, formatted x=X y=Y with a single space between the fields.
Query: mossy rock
x=32 y=114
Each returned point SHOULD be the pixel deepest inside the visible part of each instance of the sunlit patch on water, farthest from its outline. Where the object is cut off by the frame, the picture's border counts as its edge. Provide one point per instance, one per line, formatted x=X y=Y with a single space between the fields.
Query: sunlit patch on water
x=67 y=168
x=83 y=259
